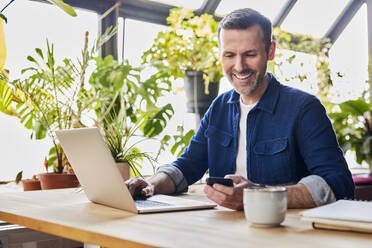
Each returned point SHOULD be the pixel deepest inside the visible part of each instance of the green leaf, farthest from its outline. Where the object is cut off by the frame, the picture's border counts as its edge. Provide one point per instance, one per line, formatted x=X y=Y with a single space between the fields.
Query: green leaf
x=157 y=123
x=65 y=7
x=6 y=95
x=30 y=58
x=39 y=52
x=18 y=177
x=181 y=140
x=354 y=107
x=51 y=160
x=4 y=18
x=40 y=131
x=52 y=150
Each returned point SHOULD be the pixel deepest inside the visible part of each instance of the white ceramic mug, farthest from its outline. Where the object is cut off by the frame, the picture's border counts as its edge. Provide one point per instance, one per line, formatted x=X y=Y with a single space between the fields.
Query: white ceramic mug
x=265 y=206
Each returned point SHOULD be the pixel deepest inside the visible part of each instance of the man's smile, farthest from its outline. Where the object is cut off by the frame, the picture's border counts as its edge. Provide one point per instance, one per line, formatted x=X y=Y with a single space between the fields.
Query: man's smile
x=243 y=76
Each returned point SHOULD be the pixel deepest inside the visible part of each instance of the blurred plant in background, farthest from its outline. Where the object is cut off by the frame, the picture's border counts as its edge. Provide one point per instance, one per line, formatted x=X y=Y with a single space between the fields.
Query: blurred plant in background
x=352 y=124
x=189 y=44
x=308 y=45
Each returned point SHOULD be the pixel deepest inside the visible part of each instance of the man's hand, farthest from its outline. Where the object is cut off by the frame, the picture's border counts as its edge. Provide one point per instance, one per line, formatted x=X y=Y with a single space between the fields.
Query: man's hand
x=139 y=188
x=160 y=183
x=229 y=197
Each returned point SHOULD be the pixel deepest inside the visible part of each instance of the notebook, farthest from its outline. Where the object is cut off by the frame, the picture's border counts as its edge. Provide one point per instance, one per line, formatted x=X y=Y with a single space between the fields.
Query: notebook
x=344 y=215
x=101 y=180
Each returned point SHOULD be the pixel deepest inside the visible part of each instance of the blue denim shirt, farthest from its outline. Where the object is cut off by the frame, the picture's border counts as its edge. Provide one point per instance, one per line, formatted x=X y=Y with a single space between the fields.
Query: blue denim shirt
x=289 y=137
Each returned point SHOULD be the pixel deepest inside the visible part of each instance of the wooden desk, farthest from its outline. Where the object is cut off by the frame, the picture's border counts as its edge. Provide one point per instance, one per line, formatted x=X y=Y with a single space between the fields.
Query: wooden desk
x=68 y=213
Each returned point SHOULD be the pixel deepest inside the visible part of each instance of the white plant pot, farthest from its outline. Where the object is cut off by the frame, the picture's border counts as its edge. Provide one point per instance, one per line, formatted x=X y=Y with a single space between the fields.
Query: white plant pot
x=124 y=169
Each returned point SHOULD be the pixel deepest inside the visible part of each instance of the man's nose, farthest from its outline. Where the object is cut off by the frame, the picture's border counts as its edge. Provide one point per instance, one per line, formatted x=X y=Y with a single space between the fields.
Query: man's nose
x=239 y=65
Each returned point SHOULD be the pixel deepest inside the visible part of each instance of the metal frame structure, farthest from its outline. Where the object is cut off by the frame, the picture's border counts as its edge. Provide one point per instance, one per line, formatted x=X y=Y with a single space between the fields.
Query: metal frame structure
x=343 y=19
x=156 y=12
x=369 y=20
x=284 y=13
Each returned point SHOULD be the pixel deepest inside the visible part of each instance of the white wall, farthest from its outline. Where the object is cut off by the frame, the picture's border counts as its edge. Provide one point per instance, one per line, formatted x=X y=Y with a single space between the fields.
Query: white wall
x=29 y=24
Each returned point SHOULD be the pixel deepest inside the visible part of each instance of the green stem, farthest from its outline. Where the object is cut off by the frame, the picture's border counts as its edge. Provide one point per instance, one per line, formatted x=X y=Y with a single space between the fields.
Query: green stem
x=82 y=73
x=44 y=120
x=50 y=65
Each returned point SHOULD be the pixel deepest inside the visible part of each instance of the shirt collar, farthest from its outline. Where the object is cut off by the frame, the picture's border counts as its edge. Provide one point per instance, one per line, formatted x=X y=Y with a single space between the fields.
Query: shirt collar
x=269 y=98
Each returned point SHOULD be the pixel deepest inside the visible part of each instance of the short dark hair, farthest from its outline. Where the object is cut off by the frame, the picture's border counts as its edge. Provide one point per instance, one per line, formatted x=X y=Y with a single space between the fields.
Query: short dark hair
x=246 y=18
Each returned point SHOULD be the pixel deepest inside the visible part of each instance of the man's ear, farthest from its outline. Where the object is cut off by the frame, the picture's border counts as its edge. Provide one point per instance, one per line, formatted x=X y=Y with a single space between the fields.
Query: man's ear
x=272 y=48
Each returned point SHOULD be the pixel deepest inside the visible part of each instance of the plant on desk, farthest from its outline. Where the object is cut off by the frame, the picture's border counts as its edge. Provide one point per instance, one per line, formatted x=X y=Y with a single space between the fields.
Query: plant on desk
x=128 y=111
x=51 y=97
x=122 y=138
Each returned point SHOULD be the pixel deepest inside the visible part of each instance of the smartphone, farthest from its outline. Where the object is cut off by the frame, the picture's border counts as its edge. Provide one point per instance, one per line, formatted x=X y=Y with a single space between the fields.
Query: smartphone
x=220 y=180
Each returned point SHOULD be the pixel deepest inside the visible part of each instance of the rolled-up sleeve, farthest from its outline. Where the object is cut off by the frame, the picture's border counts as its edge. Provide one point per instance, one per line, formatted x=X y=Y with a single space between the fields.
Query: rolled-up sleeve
x=319 y=189
x=320 y=150
x=177 y=177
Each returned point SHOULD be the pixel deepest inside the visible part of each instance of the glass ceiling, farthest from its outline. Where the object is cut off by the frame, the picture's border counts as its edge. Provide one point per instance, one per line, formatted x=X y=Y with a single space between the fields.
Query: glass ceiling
x=269 y=8
x=189 y=4
x=310 y=17
x=313 y=17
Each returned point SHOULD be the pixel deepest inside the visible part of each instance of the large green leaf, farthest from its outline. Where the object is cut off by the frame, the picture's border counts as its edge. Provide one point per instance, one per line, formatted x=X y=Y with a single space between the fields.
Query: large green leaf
x=181 y=140
x=40 y=131
x=5 y=98
x=355 y=107
x=65 y=7
x=157 y=122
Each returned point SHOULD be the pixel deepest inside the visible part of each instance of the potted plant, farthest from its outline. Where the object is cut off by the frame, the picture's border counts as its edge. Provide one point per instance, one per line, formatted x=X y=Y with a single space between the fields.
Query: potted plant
x=189 y=49
x=122 y=139
x=50 y=97
x=127 y=111
x=31 y=184
x=352 y=122
x=353 y=126
x=28 y=184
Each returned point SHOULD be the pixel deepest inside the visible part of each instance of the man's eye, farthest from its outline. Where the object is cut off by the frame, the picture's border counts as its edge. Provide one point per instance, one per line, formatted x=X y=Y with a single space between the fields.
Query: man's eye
x=229 y=55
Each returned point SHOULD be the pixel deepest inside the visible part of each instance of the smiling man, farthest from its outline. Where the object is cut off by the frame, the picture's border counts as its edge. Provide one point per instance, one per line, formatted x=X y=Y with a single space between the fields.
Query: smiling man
x=262 y=133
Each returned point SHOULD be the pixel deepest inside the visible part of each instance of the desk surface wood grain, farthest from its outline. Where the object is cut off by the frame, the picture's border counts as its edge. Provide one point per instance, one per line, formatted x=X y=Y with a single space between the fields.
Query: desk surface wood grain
x=69 y=214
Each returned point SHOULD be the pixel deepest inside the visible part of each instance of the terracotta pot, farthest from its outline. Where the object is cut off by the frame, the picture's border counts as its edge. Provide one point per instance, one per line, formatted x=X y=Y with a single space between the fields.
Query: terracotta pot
x=31 y=184
x=124 y=169
x=58 y=180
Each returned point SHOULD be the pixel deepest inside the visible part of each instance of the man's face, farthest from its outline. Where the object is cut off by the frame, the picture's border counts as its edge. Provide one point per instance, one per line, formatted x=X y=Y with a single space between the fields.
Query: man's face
x=244 y=59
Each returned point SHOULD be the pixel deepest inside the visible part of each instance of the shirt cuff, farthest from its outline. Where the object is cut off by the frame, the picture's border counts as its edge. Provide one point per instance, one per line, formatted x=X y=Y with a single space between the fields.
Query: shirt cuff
x=319 y=189
x=177 y=177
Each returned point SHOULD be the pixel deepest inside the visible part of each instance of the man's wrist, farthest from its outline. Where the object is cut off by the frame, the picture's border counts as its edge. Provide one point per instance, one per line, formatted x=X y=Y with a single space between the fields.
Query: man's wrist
x=162 y=183
x=154 y=181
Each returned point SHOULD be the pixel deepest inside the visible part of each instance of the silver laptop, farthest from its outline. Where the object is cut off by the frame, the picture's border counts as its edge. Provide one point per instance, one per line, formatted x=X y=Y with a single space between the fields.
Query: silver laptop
x=101 y=180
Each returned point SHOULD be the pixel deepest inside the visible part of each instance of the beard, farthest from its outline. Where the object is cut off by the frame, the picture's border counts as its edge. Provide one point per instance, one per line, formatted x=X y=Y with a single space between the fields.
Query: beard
x=255 y=84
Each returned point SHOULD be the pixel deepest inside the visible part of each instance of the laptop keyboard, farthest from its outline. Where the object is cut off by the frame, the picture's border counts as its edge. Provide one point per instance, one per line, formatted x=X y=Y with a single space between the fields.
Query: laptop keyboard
x=149 y=203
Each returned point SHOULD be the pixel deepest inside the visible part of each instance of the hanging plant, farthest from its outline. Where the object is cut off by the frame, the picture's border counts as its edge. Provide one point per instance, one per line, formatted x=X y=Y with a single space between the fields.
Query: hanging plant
x=309 y=45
